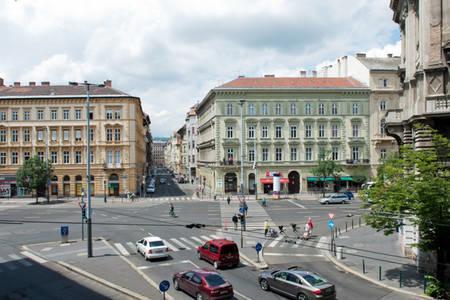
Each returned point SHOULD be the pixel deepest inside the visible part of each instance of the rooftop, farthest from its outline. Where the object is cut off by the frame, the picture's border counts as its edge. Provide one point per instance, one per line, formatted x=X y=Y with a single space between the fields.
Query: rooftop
x=380 y=63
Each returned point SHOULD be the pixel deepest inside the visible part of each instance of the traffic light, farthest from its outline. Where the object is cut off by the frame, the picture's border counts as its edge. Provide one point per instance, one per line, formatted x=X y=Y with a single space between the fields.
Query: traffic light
x=83 y=213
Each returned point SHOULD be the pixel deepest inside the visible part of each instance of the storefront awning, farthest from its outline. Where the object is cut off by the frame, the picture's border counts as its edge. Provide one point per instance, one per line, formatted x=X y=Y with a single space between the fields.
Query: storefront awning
x=342 y=178
x=270 y=180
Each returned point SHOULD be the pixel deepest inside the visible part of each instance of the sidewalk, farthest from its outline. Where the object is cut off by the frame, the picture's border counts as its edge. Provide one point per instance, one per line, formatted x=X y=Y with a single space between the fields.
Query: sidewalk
x=364 y=248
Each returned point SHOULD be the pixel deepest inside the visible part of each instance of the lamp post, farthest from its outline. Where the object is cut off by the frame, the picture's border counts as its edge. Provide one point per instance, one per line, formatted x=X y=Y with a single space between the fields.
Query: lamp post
x=241 y=103
x=254 y=164
x=104 y=190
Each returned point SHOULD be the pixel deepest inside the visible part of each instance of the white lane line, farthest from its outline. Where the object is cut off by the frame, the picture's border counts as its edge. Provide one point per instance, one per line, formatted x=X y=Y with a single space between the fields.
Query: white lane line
x=46 y=249
x=242 y=296
x=149 y=234
x=20 y=260
x=131 y=245
x=103 y=215
x=189 y=242
x=283 y=245
x=207 y=239
x=8 y=264
x=292 y=254
x=33 y=257
x=64 y=245
x=296 y=245
x=171 y=247
x=215 y=237
x=197 y=240
x=121 y=249
x=296 y=204
x=180 y=244
x=275 y=241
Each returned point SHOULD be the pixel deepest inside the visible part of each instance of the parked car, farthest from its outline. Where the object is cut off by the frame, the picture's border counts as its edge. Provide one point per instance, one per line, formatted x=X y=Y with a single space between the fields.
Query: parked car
x=297 y=284
x=151 y=189
x=203 y=284
x=152 y=247
x=334 y=198
x=220 y=252
x=349 y=195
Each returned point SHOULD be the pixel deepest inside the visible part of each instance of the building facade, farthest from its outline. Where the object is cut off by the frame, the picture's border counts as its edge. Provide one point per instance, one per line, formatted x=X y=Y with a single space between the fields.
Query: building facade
x=286 y=123
x=191 y=142
x=50 y=121
x=158 y=160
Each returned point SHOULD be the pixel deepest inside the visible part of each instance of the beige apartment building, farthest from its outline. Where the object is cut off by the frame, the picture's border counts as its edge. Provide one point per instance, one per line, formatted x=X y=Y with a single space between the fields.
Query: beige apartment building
x=50 y=121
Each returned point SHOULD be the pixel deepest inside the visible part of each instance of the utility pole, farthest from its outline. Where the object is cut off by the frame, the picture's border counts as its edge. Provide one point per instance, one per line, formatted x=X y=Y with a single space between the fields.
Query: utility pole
x=88 y=171
x=254 y=163
x=241 y=103
x=46 y=159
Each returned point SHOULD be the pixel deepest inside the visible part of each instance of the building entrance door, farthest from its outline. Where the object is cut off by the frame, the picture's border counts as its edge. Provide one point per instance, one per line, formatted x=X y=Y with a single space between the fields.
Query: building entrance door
x=294 y=182
x=230 y=183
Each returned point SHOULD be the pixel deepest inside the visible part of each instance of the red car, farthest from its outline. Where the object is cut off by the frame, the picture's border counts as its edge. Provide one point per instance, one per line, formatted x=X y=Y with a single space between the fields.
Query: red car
x=220 y=253
x=203 y=284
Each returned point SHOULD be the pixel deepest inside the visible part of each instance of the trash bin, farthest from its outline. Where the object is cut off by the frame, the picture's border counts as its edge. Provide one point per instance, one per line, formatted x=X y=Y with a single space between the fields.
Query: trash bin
x=64 y=231
x=340 y=253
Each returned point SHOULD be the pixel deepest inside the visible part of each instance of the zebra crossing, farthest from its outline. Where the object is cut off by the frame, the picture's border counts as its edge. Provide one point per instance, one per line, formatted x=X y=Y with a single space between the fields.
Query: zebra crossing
x=16 y=262
x=165 y=199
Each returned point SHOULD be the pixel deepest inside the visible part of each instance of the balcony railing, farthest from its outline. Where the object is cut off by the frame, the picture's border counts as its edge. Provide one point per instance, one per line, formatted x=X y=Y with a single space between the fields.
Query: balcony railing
x=357 y=161
x=112 y=165
x=438 y=105
x=230 y=162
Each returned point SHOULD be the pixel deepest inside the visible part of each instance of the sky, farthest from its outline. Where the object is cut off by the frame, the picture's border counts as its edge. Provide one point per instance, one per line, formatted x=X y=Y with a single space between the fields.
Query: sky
x=170 y=53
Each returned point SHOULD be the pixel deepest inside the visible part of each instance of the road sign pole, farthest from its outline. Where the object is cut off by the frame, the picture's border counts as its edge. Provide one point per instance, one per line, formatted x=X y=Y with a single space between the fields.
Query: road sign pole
x=82 y=226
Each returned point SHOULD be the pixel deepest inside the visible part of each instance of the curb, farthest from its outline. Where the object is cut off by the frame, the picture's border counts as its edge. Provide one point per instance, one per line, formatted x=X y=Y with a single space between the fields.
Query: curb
x=262 y=265
x=349 y=270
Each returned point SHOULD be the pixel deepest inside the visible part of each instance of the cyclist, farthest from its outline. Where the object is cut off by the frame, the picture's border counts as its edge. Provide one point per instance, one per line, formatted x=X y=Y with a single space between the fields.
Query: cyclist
x=172 y=210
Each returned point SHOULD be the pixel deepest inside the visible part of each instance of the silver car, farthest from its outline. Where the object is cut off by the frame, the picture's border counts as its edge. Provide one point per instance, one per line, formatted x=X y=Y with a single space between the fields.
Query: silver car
x=335 y=198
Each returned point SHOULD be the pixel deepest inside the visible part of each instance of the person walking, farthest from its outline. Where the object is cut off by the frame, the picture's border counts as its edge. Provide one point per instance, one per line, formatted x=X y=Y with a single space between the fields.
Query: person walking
x=266 y=227
x=310 y=225
x=228 y=200
x=235 y=221
x=243 y=225
x=245 y=208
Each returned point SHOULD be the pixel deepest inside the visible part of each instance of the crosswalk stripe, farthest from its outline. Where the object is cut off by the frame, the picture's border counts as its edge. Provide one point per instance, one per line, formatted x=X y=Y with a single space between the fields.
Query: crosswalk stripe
x=8 y=264
x=283 y=244
x=207 y=239
x=296 y=245
x=47 y=249
x=33 y=257
x=132 y=246
x=215 y=237
x=189 y=242
x=20 y=260
x=122 y=249
x=197 y=240
x=171 y=247
x=275 y=241
x=180 y=244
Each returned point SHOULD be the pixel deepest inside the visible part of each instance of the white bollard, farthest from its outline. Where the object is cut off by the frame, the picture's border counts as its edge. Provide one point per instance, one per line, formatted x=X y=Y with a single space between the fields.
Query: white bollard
x=340 y=253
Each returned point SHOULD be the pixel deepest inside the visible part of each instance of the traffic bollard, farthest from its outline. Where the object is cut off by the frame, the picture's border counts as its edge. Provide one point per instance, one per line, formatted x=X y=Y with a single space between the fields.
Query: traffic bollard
x=359 y=221
x=364 y=266
x=339 y=230
x=424 y=283
x=340 y=253
x=346 y=226
x=400 y=279
x=379 y=273
x=352 y=224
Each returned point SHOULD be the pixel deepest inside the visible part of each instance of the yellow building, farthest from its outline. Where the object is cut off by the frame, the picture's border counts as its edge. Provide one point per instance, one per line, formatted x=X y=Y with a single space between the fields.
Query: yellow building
x=50 y=121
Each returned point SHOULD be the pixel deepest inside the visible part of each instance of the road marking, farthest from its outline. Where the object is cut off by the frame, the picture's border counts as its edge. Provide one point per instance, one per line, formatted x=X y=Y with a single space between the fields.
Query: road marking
x=297 y=204
x=171 y=247
x=82 y=254
x=275 y=241
x=20 y=260
x=8 y=264
x=283 y=244
x=180 y=244
x=131 y=245
x=34 y=257
x=197 y=240
x=292 y=254
x=64 y=244
x=215 y=236
x=149 y=234
x=241 y=295
x=207 y=239
x=103 y=215
x=121 y=249
x=189 y=242
x=296 y=245
x=46 y=249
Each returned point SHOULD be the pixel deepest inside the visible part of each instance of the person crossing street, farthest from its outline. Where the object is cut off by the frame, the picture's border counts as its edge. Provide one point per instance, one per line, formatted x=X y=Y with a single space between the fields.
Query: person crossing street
x=235 y=221
x=266 y=227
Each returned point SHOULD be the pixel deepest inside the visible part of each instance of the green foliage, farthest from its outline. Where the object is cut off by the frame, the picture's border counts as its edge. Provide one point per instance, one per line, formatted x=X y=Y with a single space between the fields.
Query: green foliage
x=326 y=168
x=435 y=288
x=34 y=174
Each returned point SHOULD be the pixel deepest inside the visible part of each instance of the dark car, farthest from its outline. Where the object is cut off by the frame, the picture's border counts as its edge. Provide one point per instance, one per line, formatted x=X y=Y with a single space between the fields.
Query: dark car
x=203 y=284
x=349 y=195
x=220 y=252
x=297 y=284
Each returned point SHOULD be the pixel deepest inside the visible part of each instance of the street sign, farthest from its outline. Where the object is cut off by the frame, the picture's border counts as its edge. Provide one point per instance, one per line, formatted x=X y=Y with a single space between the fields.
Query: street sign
x=258 y=247
x=64 y=230
x=330 y=224
x=164 y=286
x=330 y=215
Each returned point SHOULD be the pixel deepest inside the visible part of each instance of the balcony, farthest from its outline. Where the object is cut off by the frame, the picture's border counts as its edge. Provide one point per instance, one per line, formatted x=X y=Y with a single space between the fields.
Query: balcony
x=357 y=161
x=112 y=165
x=230 y=163
x=438 y=105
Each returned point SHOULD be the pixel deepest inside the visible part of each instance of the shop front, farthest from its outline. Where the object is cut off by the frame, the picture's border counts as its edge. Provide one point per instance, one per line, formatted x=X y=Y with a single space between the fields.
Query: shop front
x=8 y=186
x=332 y=184
x=268 y=184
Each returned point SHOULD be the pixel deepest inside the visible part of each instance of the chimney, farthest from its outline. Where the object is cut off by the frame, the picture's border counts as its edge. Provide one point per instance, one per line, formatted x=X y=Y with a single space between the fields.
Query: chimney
x=389 y=55
x=16 y=83
x=32 y=83
x=108 y=83
x=241 y=76
x=47 y=83
x=360 y=55
x=2 y=82
x=302 y=73
x=314 y=73
x=269 y=75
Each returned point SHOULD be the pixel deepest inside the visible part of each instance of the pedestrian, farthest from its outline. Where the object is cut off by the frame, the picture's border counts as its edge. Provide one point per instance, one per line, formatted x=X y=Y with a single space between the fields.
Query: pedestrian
x=310 y=225
x=228 y=200
x=235 y=221
x=245 y=207
x=266 y=227
x=243 y=225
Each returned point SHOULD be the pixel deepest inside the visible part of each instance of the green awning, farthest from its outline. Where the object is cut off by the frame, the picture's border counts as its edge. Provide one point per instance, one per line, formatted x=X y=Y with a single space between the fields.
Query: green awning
x=342 y=178
x=346 y=178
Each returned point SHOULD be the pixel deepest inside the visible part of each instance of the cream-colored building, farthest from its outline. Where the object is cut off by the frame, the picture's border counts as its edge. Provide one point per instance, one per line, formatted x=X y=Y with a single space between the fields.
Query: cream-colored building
x=50 y=121
x=158 y=153
x=286 y=123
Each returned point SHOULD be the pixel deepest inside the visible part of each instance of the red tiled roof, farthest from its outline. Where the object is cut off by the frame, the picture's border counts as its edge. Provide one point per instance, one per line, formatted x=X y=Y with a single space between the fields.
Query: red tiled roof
x=56 y=90
x=293 y=82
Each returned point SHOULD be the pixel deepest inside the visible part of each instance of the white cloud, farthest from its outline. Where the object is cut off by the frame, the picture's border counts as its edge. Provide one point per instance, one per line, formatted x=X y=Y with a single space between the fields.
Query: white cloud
x=171 y=52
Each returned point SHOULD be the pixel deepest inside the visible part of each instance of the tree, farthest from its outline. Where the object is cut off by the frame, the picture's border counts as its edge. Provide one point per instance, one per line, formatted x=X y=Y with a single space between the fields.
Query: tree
x=415 y=185
x=326 y=168
x=34 y=174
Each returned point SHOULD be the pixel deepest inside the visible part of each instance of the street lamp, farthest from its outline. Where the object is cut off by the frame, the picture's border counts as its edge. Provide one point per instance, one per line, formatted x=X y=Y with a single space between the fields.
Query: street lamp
x=88 y=169
x=241 y=103
x=104 y=190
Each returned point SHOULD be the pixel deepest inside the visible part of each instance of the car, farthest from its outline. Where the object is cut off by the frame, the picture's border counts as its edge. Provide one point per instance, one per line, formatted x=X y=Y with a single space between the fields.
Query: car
x=152 y=247
x=203 y=284
x=297 y=284
x=162 y=180
x=334 y=198
x=151 y=189
x=219 y=252
x=349 y=195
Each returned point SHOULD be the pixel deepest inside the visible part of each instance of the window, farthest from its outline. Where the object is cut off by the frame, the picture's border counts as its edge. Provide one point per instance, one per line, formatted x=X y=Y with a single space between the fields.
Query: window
x=265 y=154
x=382 y=128
x=66 y=134
x=14 y=115
x=229 y=109
x=26 y=115
x=383 y=82
x=109 y=135
x=251 y=109
x=251 y=155
x=278 y=152
x=14 y=135
x=109 y=114
x=230 y=154
x=308 y=130
x=109 y=157
x=265 y=110
x=293 y=153
x=117 y=158
x=334 y=130
x=308 y=153
x=77 y=134
x=54 y=157
x=26 y=156
x=278 y=131
x=334 y=109
x=91 y=134
x=321 y=109
x=2 y=158
x=321 y=130
x=355 y=153
x=117 y=134
x=251 y=132
x=40 y=154
x=54 y=135
x=54 y=114
x=118 y=114
x=40 y=135
x=265 y=132
x=293 y=132
x=293 y=109
x=355 y=108
x=307 y=108
x=322 y=153
x=40 y=114
x=26 y=135
x=78 y=114
x=335 y=153
x=355 y=130
x=383 y=154
x=91 y=115
x=78 y=157
x=383 y=105
x=3 y=136
x=2 y=116
x=14 y=158
x=278 y=109
x=91 y=156
x=66 y=114
x=230 y=132
x=66 y=157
